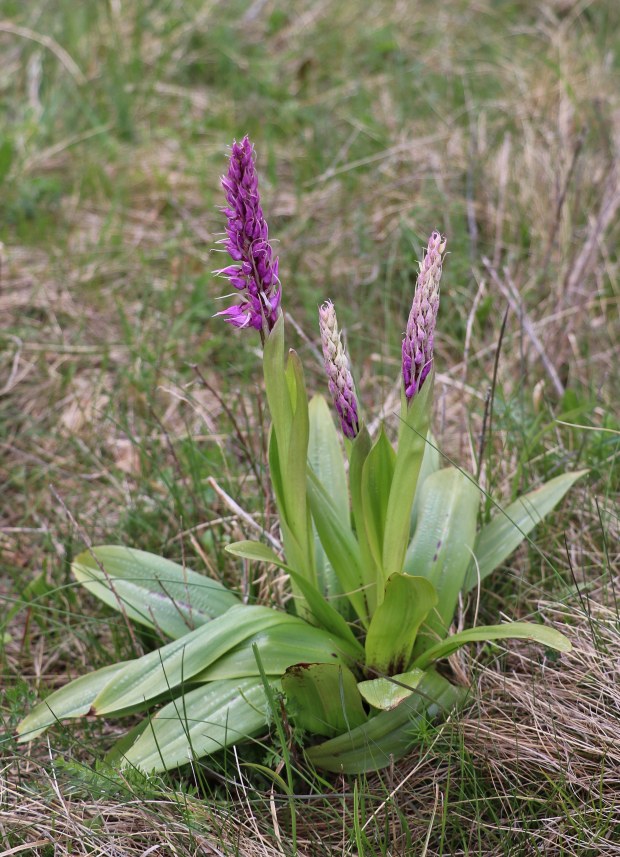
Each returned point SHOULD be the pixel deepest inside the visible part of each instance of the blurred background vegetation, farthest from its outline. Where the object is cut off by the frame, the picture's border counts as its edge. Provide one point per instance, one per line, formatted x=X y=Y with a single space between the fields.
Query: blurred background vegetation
x=497 y=122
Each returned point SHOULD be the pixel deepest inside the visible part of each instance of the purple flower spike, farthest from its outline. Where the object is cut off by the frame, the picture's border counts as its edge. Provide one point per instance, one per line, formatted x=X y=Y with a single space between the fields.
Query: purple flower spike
x=420 y=333
x=338 y=372
x=255 y=272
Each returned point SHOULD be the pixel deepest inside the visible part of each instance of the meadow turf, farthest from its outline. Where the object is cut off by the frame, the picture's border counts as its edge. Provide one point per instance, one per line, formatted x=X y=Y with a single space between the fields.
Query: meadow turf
x=497 y=123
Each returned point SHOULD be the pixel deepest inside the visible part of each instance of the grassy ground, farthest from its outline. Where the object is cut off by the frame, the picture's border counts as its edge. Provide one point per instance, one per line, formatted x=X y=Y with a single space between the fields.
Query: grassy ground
x=496 y=122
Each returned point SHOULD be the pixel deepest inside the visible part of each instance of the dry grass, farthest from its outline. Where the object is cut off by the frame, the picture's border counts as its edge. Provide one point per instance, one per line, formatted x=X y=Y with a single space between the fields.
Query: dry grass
x=499 y=126
x=541 y=735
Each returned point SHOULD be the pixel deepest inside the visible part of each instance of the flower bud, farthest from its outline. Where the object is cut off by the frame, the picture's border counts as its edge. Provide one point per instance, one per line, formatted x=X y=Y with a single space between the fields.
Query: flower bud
x=339 y=376
x=417 y=350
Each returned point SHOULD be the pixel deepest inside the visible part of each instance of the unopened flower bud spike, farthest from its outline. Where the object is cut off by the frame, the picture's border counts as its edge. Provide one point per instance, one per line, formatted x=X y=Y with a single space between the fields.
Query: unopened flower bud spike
x=417 y=348
x=339 y=376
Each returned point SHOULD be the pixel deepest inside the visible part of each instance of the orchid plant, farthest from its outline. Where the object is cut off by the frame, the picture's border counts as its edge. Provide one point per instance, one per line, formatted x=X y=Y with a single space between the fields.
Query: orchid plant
x=378 y=542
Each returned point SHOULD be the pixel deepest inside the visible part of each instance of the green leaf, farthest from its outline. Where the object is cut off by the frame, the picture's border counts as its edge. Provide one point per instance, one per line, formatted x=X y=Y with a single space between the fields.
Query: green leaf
x=391 y=734
x=360 y=448
x=116 y=752
x=294 y=551
x=276 y=386
x=339 y=544
x=387 y=693
x=279 y=647
x=327 y=617
x=395 y=624
x=151 y=590
x=295 y=465
x=275 y=473
x=431 y=461
x=73 y=700
x=177 y=662
x=377 y=474
x=326 y=459
x=288 y=450
x=323 y=698
x=498 y=539
x=325 y=455
x=256 y=552
x=412 y=436
x=203 y=721
x=486 y=633
x=442 y=545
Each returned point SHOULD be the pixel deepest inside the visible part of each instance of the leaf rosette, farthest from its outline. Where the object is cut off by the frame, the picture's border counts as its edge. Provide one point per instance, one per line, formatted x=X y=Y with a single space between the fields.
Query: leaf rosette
x=379 y=542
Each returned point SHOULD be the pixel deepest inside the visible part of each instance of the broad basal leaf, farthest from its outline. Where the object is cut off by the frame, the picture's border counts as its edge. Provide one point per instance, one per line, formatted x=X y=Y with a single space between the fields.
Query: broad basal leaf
x=73 y=700
x=323 y=698
x=431 y=462
x=279 y=647
x=151 y=590
x=414 y=424
x=395 y=624
x=443 y=543
x=391 y=734
x=178 y=662
x=498 y=539
x=203 y=721
x=115 y=754
x=486 y=633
